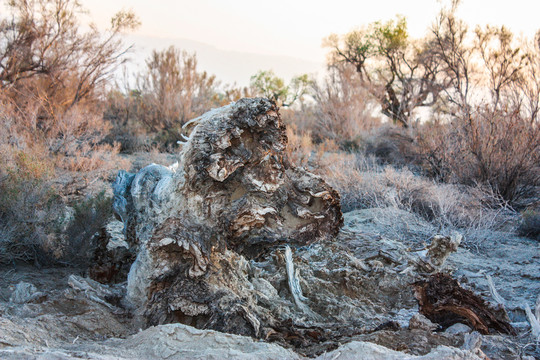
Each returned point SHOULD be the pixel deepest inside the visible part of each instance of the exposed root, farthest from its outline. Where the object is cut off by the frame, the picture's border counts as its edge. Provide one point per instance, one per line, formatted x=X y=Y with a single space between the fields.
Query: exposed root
x=442 y=300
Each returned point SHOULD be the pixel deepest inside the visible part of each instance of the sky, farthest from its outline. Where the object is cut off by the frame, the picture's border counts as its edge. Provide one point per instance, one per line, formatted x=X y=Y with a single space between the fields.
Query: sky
x=296 y=28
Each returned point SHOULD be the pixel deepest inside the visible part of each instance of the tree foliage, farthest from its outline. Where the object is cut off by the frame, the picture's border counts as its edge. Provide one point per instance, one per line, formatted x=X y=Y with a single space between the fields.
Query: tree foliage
x=398 y=71
x=265 y=83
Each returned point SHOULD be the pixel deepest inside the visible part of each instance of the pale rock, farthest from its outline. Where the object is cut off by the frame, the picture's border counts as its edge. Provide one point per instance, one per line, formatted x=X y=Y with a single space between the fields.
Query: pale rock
x=367 y=351
x=26 y=292
x=458 y=328
x=419 y=321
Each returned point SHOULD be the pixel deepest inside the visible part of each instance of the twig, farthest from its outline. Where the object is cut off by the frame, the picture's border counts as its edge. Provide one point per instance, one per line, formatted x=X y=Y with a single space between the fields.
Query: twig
x=537 y=309
x=498 y=298
x=535 y=324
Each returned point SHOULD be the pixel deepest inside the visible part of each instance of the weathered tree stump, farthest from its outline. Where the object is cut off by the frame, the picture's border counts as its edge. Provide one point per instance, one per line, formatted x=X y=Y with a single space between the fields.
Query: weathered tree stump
x=232 y=197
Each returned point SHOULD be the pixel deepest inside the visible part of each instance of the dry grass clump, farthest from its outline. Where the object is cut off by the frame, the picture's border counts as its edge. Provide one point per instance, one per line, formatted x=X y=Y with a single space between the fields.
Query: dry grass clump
x=363 y=183
x=303 y=152
x=530 y=224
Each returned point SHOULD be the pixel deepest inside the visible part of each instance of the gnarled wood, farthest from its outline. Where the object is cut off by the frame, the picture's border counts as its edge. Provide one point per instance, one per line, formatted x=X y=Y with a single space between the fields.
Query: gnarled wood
x=442 y=300
x=234 y=196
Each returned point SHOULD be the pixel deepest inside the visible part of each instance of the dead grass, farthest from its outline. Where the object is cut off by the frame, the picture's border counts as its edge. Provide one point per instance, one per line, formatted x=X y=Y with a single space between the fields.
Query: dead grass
x=365 y=183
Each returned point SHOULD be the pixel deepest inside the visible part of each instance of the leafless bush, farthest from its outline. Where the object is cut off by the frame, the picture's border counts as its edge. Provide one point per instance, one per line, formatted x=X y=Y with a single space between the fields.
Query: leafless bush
x=390 y=145
x=500 y=151
x=488 y=130
x=303 y=152
x=169 y=92
x=364 y=183
x=29 y=206
x=343 y=110
x=89 y=216
x=44 y=53
x=482 y=88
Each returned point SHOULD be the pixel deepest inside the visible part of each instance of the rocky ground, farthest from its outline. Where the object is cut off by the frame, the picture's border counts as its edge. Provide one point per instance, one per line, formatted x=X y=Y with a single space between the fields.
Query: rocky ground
x=62 y=319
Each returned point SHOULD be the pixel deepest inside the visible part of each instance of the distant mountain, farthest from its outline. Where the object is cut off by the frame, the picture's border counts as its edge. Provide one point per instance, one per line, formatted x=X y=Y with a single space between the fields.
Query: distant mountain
x=228 y=66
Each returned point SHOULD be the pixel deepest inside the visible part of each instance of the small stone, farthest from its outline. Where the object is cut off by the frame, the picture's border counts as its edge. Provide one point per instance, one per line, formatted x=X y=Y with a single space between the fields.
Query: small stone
x=458 y=328
x=420 y=322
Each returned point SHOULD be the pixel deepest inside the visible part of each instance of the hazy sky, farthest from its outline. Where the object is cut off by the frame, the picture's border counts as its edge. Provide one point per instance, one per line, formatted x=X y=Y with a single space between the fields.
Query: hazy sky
x=297 y=27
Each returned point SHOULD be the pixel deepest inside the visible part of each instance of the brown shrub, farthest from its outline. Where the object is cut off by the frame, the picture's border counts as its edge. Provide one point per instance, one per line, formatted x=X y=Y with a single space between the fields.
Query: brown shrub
x=343 y=109
x=498 y=150
x=29 y=205
x=390 y=145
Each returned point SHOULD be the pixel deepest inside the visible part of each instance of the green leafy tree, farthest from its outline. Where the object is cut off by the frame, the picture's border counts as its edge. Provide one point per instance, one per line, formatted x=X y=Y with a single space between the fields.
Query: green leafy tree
x=399 y=72
x=266 y=83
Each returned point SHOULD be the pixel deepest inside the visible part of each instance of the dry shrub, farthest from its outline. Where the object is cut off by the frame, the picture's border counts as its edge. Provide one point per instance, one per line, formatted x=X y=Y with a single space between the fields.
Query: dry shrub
x=89 y=216
x=52 y=76
x=170 y=91
x=530 y=224
x=299 y=147
x=34 y=151
x=343 y=109
x=390 y=145
x=303 y=152
x=29 y=206
x=37 y=223
x=365 y=184
x=498 y=150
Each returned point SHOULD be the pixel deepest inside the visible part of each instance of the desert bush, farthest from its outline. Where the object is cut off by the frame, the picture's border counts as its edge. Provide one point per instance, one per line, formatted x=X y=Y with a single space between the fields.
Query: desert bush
x=343 y=110
x=89 y=216
x=169 y=92
x=52 y=75
x=482 y=89
x=364 y=183
x=390 y=145
x=487 y=131
x=501 y=151
x=530 y=224
x=122 y=110
x=44 y=53
x=37 y=225
x=29 y=207
x=34 y=179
